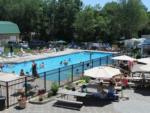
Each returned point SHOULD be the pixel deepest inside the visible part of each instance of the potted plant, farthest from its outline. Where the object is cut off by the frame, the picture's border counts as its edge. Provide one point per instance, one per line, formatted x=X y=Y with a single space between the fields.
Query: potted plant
x=40 y=98
x=22 y=101
x=54 y=88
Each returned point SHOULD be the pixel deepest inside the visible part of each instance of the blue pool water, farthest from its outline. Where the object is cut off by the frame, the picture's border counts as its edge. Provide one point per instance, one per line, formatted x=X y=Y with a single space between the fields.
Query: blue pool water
x=53 y=62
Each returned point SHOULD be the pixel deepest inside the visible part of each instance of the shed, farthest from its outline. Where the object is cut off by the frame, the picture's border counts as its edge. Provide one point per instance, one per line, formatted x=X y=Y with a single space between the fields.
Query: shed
x=9 y=31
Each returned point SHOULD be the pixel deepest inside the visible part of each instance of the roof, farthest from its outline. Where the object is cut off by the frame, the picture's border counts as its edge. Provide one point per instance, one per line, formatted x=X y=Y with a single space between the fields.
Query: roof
x=7 y=27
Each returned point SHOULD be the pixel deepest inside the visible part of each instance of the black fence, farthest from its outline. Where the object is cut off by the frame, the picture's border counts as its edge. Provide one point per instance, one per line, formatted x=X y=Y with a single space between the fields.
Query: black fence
x=62 y=76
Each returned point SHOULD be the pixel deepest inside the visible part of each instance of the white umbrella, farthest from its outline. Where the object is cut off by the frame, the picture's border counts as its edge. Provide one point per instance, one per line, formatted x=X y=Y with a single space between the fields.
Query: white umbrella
x=144 y=60
x=124 y=58
x=105 y=72
x=141 y=68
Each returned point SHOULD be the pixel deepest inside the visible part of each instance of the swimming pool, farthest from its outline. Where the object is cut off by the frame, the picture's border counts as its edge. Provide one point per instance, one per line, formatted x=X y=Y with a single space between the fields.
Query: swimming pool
x=56 y=62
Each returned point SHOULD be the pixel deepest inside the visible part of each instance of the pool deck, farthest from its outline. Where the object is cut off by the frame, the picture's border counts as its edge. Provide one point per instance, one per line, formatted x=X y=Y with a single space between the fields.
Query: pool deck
x=31 y=57
x=138 y=102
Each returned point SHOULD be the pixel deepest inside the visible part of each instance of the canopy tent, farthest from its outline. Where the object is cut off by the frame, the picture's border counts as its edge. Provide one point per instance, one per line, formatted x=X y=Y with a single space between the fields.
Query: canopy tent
x=144 y=60
x=124 y=58
x=103 y=72
x=141 y=68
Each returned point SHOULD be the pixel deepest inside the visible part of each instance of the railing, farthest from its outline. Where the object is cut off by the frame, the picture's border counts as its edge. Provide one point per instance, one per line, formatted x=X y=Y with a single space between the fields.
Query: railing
x=62 y=76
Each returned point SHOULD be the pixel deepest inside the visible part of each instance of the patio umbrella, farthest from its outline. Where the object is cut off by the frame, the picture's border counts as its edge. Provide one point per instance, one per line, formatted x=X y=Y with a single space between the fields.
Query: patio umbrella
x=103 y=72
x=141 y=68
x=124 y=58
x=144 y=60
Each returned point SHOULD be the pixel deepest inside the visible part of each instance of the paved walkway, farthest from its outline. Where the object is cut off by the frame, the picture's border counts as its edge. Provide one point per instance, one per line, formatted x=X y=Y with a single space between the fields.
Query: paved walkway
x=138 y=102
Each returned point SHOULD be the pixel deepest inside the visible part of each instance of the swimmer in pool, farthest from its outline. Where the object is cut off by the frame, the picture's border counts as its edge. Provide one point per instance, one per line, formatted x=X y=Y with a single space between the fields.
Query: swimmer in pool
x=65 y=62
x=42 y=65
x=60 y=62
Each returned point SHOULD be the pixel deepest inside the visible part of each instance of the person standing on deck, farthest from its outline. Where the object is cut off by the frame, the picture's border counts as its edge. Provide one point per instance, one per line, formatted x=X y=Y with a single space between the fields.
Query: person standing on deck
x=34 y=69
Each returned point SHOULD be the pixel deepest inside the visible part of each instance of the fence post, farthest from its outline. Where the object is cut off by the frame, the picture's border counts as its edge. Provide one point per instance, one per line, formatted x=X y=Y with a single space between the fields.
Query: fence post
x=7 y=94
x=92 y=63
x=100 y=61
x=72 y=73
x=82 y=68
x=112 y=61
x=59 y=76
x=25 y=86
x=45 y=81
x=107 y=60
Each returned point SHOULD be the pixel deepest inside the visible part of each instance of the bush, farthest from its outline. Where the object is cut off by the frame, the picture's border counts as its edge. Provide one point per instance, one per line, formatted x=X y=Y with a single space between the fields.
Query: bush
x=87 y=79
x=68 y=87
x=54 y=88
x=49 y=94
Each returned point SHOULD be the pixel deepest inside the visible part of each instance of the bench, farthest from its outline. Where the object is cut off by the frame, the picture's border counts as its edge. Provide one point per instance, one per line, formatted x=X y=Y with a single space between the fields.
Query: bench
x=69 y=101
x=69 y=104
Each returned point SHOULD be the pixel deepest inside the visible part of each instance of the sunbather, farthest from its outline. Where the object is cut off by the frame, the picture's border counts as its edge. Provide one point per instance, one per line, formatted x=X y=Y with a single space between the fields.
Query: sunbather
x=101 y=93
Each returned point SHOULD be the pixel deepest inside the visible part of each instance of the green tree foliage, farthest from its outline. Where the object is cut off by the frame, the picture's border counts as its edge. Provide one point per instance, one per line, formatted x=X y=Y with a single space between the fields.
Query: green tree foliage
x=88 y=24
x=146 y=29
x=63 y=17
x=132 y=17
x=111 y=33
x=22 y=12
x=69 y=20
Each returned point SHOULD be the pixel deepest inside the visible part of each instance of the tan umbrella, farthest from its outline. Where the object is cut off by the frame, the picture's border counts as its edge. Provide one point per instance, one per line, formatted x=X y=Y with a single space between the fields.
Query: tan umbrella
x=144 y=60
x=104 y=72
x=124 y=58
x=141 y=68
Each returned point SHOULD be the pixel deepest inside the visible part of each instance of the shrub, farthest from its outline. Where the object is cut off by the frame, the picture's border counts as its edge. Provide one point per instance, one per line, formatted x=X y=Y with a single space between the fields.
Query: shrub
x=49 y=94
x=87 y=79
x=54 y=88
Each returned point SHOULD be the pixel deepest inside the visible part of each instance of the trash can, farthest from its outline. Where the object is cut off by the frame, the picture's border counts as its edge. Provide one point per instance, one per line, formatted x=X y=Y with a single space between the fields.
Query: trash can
x=2 y=103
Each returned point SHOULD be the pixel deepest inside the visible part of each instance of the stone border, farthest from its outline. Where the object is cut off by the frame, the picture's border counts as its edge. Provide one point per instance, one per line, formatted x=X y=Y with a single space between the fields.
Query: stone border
x=32 y=101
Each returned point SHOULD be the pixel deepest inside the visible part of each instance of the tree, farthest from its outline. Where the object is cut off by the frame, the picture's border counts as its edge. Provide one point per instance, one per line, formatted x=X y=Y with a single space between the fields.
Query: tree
x=62 y=15
x=146 y=29
x=88 y=24
x=112 y=31
x=132 y=17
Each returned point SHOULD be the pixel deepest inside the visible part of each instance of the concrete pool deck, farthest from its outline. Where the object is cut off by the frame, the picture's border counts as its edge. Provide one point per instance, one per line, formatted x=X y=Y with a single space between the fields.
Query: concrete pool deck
x=137 y=103
x=19 y=59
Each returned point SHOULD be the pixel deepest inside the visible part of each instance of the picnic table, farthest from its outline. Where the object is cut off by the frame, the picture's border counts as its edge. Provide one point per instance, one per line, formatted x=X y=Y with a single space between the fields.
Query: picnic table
x=72 y=93
x=68 y=102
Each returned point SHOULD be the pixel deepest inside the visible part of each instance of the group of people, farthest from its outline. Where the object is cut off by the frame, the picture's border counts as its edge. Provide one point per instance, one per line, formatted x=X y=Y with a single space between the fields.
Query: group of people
x=65 y=62
x=34 y=69
x=1 y=67
x=110 y=93
x=126 y=65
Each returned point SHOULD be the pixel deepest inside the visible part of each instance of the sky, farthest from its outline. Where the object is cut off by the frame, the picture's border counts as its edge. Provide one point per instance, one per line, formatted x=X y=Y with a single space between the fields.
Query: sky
x=103 y=2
